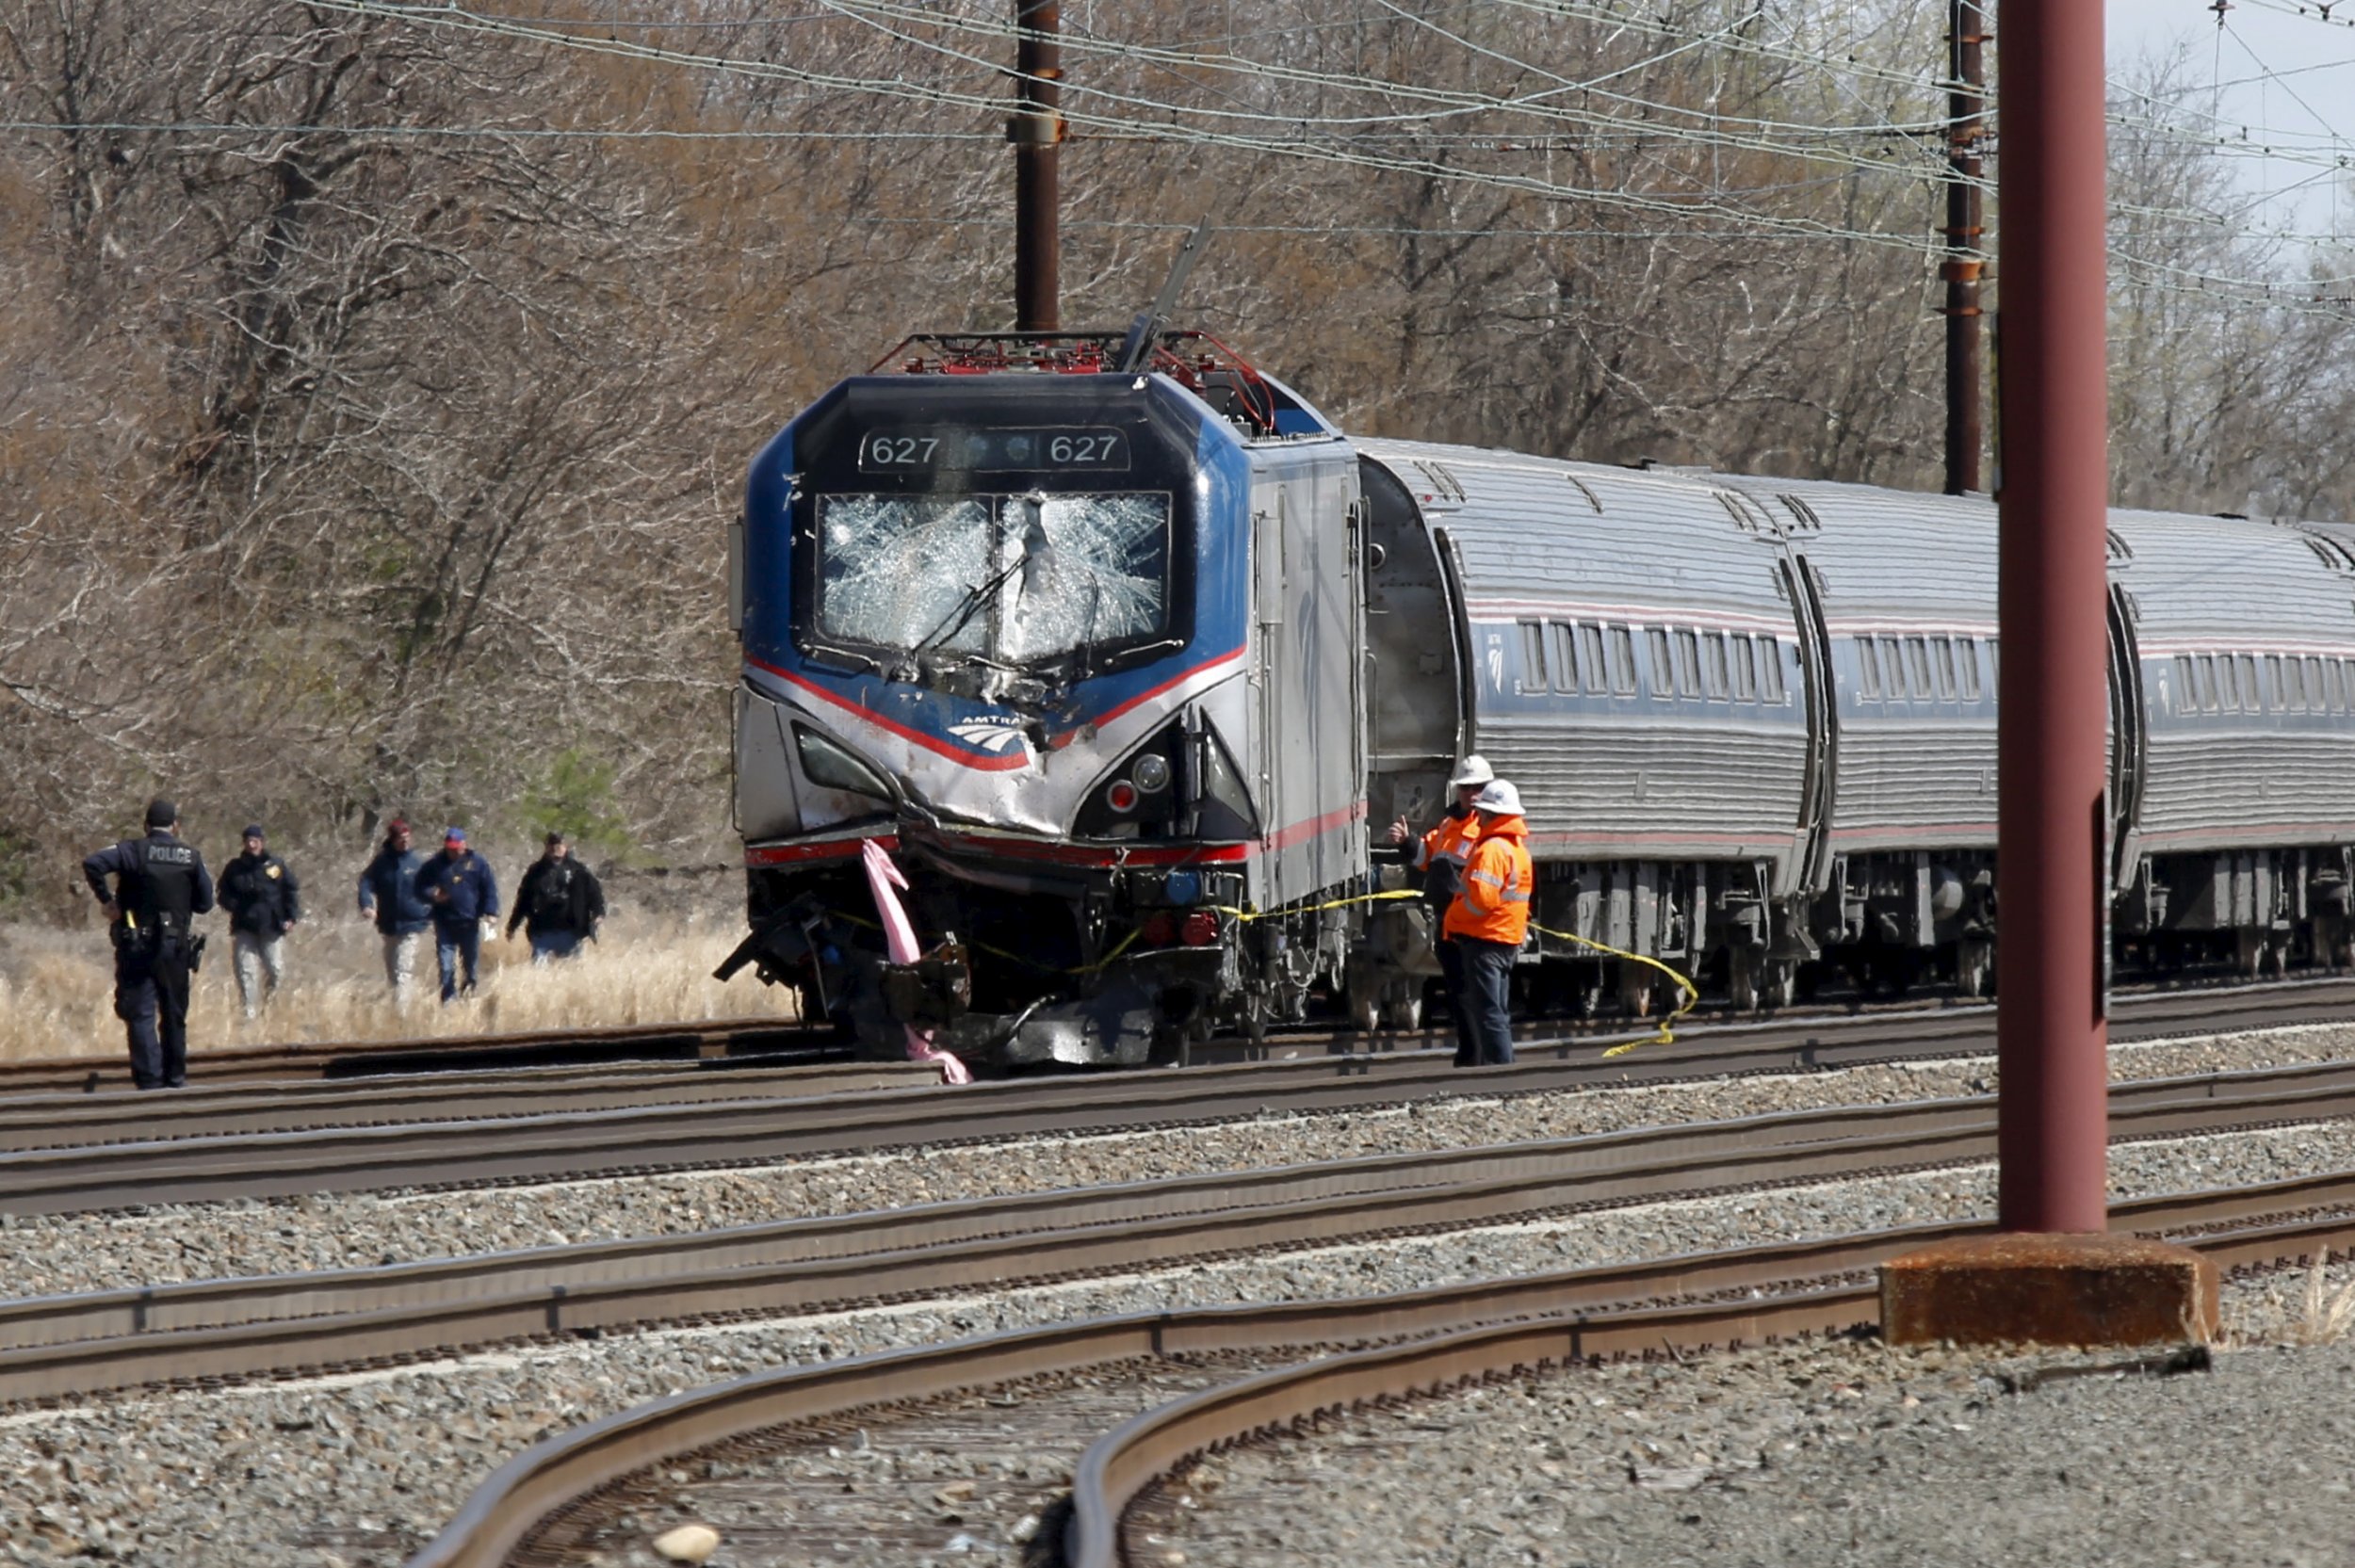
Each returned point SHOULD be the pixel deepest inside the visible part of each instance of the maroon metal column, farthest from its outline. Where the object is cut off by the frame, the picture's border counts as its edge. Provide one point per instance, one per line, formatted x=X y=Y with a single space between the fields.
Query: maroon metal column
x=1036 y=132
x=2052 y=1039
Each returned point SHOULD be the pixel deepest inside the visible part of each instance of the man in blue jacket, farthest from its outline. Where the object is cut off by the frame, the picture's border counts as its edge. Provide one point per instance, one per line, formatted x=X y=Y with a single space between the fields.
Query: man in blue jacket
x=388 y=895
x=458 y=884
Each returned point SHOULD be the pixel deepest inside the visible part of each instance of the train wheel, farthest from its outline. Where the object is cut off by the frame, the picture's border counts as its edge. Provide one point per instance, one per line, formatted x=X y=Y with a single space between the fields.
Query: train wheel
x=1974 y=965
x=2251 y=951
x=2278 y=954
x=1782 y=983
x=1364 y=992
x=1742 y=979
x=1405 y=1012
x=1636 y=990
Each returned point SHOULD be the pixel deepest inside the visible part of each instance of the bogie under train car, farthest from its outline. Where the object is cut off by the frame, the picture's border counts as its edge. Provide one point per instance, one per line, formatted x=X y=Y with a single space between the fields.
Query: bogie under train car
x=1126 y=667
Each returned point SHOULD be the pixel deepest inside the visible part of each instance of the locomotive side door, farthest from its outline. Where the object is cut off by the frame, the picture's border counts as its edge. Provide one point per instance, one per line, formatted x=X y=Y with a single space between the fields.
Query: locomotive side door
x=1309 y=770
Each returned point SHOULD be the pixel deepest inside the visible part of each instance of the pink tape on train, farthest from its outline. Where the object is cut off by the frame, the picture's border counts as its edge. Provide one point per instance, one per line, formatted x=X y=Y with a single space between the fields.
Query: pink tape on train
x=883 y=875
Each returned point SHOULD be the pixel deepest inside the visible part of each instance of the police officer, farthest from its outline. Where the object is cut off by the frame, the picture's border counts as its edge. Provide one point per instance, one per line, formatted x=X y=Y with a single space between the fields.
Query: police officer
x=1440 y=855
x=161 y=884
x=1488 y=920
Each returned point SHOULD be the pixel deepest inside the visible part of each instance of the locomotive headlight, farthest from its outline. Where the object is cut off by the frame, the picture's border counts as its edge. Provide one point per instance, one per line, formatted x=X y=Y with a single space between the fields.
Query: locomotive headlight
x=1121 y=797
x=1152 y=773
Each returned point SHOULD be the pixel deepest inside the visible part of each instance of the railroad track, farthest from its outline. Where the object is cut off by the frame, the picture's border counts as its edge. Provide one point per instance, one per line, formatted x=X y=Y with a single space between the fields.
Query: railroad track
x=71 y=1153
x=71 y=1345
x=571 y=1496
x=703 y=1040
x=1837 y=1032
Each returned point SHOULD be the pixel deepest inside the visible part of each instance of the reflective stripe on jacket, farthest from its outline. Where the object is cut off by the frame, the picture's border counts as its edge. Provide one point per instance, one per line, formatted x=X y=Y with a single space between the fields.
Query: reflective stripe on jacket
x=1494 y=904
x=1450 y=840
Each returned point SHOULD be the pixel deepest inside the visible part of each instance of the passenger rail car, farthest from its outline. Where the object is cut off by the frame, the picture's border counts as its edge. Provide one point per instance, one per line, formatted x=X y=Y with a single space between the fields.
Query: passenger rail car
x=1128 y=664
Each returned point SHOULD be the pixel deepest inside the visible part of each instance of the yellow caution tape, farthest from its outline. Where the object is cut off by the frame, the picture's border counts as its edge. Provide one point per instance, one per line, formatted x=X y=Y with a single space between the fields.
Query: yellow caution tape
x=1666 y=1035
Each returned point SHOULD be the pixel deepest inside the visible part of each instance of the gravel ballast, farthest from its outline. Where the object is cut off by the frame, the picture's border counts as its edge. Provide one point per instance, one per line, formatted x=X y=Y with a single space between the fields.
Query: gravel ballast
x=352 y=1471
x=1844 y=1453
x=164 y=1244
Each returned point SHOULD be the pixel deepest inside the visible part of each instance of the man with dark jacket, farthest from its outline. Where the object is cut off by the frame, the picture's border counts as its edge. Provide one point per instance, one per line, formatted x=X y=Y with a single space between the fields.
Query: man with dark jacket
x=161 y=884
x=263 y=902
x=388 y=894
x=559 y=904
x=458 y=884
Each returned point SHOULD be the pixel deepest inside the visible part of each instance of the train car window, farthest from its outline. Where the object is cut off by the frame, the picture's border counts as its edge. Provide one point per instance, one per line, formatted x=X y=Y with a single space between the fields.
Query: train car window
x=1868 y=664
x=2314 y=700
x=1967 y=655
x=2253 y=696
x=1770 y=670
x=2294 y=684
x=1943 y=648
x=1564 y=665
x=2276 y=685
x=2186 y=685
x=1995 y=662
x=1593 y=670
x=1688 y=666
x=1918 y=652
x=2227 y=689
x=1744 y=672
x=2334 y=680
x=1662 y=683
x=2205 y=666
x=1894 y=666
x=1623 y=660
x=1714 y=666
x=1533 y=656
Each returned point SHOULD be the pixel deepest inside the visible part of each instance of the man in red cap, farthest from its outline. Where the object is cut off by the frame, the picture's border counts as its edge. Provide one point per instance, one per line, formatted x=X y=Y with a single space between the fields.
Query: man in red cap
x=464 y=895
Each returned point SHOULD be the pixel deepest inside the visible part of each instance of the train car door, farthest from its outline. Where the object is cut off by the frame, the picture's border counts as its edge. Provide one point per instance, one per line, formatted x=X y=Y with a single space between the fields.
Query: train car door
x=1310 y=768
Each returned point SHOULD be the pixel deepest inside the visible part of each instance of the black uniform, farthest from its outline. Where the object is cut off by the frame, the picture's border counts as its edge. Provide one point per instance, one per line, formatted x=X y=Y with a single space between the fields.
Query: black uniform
x=160 y=884
x=557 y=896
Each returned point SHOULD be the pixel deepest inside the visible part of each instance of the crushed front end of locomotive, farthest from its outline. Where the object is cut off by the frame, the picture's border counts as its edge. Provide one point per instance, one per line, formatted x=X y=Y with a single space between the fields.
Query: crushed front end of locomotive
x=1102 y=965
x=999 y=619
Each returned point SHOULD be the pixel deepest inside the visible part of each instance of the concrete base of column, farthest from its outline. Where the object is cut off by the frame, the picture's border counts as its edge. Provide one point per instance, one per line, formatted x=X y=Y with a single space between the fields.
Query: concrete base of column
x=2079 y=1289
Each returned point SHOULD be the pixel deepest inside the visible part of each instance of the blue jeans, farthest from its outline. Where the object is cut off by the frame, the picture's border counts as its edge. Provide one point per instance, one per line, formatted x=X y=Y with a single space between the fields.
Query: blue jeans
x=547 y=946
x=1484 y=1011
x=452 y=944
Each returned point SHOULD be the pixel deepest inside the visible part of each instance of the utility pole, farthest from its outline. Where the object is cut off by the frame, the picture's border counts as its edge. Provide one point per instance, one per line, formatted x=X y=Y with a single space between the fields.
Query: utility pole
x=1966 y=345
x=2052 y=801
x=1036 y=130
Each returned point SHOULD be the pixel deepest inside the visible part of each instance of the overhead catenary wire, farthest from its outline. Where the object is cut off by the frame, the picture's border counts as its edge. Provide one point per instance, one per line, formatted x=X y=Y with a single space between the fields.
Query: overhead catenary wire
x=1410 y=142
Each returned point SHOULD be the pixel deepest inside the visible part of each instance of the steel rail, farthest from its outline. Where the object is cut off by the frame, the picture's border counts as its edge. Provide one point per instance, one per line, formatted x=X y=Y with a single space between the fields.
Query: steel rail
x=694 y=1039
x=1837 y=1032
x=1571 y=1316
x=60 y=1345
x=208 y=1110
x=311 y=1159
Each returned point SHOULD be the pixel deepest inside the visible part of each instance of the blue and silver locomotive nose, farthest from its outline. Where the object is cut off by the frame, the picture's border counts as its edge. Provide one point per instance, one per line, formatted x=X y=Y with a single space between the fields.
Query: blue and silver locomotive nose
x=1003 y=620
x=949 y=580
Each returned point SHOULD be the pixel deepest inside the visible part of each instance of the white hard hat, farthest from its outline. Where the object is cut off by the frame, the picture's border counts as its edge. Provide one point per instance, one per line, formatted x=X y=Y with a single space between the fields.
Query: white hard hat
x=1472 y=770
x=1501 y=798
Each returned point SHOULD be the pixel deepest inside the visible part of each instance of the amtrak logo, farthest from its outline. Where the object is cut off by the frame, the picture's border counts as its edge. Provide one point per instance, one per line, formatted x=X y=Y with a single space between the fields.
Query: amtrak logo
x=988 y=734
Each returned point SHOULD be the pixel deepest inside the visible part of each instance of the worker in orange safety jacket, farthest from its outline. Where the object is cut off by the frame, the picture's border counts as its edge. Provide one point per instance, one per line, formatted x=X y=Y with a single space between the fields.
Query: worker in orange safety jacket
x=1486 y=923
x=1439 y=855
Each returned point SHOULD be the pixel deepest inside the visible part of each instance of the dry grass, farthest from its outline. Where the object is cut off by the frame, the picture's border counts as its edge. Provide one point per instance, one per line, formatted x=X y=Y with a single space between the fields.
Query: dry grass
x=57 y=987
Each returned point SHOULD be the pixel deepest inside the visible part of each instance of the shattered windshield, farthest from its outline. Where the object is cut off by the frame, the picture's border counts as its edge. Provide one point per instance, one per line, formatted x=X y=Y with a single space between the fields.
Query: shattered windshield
x=1014 y=579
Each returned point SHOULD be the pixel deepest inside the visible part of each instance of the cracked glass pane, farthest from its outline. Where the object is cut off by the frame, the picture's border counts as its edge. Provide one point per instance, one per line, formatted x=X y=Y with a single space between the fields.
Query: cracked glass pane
x=894 y=570
x=1014 y=578
x=1096 y=570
